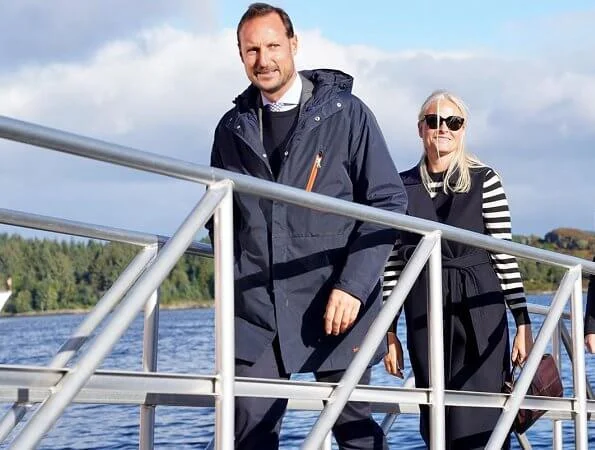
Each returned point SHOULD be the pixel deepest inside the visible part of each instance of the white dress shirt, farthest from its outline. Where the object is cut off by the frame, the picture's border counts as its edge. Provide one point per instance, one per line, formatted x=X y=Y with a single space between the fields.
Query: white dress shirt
x=290 y=99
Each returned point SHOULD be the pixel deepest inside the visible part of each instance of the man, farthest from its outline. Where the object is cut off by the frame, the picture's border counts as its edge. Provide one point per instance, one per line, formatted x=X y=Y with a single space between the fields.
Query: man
x=307 y=283
x=590 y=315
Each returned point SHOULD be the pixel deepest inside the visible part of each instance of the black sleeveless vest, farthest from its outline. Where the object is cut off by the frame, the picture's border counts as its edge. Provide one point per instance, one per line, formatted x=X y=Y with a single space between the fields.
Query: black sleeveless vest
x=468 y=276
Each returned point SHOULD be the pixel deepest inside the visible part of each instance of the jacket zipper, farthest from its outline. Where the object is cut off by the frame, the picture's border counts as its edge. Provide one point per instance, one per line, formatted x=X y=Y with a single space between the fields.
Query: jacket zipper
x=314 y=172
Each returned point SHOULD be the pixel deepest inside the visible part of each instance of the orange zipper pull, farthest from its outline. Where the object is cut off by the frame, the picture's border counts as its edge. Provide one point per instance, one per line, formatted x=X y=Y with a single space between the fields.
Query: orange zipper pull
x=314 y=172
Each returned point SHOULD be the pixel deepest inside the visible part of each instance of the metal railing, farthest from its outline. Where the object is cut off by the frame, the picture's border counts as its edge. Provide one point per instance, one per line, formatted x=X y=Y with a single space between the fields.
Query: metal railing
x=55 y=387
x=560 y=339
x=116 y=392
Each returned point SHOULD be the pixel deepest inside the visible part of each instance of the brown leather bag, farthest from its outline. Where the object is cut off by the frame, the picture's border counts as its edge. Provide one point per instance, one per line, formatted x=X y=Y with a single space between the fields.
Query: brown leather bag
x=546 y=383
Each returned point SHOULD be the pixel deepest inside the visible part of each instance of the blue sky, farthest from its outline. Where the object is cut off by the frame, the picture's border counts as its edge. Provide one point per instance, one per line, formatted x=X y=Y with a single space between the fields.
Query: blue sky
x=437 y=25
x=158 y=75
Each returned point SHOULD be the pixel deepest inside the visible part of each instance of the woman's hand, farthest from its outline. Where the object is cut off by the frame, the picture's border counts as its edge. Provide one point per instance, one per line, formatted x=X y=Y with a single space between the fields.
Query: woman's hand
x=522 y=345
x=393 y=360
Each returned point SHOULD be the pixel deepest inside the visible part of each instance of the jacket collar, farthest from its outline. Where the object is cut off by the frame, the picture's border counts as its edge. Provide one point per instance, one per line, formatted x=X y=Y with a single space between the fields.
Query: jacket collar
x=319 y=83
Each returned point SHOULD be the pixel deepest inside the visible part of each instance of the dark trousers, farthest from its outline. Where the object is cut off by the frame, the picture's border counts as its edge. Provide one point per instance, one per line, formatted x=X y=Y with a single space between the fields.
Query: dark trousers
x=258 y=420
x=466 y=370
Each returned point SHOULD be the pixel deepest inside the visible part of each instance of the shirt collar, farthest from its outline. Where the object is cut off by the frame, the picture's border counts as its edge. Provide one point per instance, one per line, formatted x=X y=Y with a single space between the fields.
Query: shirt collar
x=291 y=98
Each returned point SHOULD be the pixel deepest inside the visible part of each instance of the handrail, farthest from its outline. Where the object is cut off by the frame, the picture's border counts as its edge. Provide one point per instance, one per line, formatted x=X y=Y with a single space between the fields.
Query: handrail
x=93 y=231
x=98 y=150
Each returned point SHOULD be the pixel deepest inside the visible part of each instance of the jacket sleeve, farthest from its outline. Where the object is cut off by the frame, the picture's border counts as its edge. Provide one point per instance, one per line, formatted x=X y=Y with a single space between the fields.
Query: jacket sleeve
x=590 y=313
x=376 y=183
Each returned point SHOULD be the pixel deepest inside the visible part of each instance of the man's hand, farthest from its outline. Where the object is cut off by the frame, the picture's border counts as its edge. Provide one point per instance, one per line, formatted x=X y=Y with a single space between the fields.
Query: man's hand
x=393 y=360
x=590 y=342
x=522 y=345
x=341 y=311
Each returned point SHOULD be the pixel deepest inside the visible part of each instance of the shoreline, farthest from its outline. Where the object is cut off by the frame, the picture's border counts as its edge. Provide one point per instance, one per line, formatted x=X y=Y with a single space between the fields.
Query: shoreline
x=173 y=306
x=60 y=312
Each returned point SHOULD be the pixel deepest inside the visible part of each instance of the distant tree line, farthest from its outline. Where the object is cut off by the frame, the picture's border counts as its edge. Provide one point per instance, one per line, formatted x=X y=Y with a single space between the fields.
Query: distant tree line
x=545 y=277
x=52 y=275
x=49 y=275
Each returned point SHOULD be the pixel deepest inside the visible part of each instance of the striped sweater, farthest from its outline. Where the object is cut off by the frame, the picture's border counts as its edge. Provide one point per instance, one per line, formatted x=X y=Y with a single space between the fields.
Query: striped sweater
x=496 y=217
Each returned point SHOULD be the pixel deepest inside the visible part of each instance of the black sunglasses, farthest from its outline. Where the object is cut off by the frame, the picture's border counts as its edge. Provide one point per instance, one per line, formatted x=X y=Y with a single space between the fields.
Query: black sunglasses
x=453 y=123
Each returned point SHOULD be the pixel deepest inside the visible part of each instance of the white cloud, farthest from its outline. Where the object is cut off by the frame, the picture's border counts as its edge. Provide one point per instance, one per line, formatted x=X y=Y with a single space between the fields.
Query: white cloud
x=164 y=89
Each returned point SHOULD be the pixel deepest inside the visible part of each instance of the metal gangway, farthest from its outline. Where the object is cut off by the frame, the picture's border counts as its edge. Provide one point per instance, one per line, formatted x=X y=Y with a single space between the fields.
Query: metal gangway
x=55 y=386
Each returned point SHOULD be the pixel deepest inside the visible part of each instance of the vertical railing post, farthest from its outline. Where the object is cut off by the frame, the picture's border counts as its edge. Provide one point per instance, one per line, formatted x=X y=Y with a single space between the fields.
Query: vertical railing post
x=150 y=347
x=224 y=319
x=436 y=348
x=567 y=341
x=578 y=372
x=558 y=436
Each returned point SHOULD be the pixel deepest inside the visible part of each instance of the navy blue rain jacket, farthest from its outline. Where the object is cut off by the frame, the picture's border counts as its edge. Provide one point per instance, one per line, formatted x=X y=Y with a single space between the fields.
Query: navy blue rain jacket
x=288 y=258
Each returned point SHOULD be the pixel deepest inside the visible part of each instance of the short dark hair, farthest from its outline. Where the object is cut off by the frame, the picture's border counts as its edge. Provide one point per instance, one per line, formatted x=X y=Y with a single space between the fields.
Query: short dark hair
x=263 y=9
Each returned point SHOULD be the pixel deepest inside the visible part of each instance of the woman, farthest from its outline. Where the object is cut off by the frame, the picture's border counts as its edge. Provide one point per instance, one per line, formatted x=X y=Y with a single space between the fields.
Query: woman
x=451 y=186
x=590 y=316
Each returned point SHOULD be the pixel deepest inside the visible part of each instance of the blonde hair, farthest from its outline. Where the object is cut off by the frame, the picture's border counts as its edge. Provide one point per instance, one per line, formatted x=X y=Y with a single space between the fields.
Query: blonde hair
x=457 y=177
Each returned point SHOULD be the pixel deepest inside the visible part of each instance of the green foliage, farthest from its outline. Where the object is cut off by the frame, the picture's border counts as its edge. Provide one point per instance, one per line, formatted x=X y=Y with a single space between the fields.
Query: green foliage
x=540 y=277
x=544 y=277
x=49 y=275
x=53 y=275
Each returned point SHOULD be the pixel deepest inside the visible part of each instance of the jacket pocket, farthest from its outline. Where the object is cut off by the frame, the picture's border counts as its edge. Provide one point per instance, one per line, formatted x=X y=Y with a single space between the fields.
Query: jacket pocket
x=314 y=171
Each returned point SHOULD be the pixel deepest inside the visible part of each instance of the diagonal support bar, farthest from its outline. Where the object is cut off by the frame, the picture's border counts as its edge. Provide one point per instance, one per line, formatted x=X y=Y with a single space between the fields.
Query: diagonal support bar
x=71 y=384
x=550 y=323
x=373 y=338
x=92 y=320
